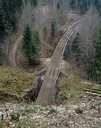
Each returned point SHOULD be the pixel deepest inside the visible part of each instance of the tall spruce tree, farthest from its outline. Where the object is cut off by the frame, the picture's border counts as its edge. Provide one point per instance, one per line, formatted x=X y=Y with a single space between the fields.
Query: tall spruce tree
x=94 y=64
x=9 y=10
x=34 y=2
x=36 y=43
x=27 y=42
x=2 y=28
x=98 y=58
x=76 y=51
x=31 y=43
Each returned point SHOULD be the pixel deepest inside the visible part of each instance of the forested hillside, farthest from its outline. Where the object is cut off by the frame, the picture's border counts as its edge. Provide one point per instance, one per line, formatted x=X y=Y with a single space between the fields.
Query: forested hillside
x=50 y=54
x=41 y=21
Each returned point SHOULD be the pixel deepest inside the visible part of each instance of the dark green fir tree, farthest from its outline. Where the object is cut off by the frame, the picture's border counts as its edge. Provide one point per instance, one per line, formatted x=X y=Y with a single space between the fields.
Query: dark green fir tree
x=31 y=44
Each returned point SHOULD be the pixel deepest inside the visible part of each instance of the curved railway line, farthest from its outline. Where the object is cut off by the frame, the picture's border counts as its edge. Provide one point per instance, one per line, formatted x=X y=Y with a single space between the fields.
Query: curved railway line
x=48 y=89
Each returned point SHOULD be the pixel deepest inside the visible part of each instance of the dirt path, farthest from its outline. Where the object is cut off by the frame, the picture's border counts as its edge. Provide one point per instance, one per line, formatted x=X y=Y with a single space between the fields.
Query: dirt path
x=13 y=51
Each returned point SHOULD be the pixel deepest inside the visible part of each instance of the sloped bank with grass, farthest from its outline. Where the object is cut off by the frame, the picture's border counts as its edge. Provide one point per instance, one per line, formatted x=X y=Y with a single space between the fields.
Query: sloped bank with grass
x=14 y=83
x=74 y=88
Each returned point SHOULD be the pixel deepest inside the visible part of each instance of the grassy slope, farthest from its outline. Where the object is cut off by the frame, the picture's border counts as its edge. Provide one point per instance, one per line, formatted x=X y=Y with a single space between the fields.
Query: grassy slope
x=14 y=81
x=74 y=88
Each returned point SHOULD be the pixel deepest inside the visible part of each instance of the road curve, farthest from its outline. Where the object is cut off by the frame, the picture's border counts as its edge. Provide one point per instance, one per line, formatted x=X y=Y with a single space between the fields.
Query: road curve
x=48 y=89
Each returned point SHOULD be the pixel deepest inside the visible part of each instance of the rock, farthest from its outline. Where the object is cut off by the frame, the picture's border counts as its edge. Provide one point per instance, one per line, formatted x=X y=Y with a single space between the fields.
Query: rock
x=79 y=111
x=1 y=115
x=15 y=116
